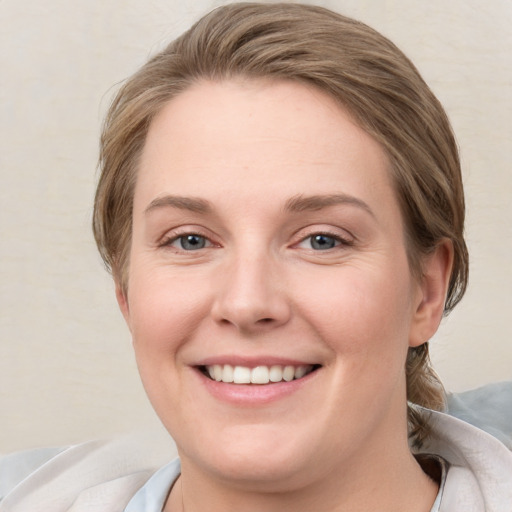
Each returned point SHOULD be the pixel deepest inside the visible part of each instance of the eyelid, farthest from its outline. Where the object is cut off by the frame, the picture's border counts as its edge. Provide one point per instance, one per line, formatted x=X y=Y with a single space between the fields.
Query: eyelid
x=340 y=243
x=175 y=234
x=173 y=241
x=343 y=236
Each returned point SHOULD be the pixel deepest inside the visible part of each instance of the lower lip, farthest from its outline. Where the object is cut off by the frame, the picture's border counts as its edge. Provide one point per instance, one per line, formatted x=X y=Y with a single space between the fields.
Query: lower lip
x=254 y=394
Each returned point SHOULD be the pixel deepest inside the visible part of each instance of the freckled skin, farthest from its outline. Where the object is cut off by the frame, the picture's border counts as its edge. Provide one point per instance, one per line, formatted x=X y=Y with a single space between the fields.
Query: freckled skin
x=259 y=287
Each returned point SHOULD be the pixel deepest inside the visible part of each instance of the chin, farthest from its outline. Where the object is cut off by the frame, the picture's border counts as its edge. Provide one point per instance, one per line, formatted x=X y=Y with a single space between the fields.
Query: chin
x=254 y=456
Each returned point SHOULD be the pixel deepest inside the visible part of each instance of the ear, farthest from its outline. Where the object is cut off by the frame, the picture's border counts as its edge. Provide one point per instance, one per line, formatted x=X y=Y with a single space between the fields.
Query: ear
x=122 y=301
x=432 y=290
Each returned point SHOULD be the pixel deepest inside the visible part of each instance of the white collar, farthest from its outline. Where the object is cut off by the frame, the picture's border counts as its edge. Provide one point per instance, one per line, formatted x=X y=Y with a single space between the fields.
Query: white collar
x=480 y=474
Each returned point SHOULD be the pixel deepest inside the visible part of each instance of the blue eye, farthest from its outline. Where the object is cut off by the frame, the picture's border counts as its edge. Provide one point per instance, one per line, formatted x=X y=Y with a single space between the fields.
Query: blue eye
x=323 y=242
x=191 y=242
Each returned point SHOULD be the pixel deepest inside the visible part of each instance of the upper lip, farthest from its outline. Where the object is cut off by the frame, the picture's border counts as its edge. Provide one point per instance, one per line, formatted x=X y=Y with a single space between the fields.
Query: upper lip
x=252 y=362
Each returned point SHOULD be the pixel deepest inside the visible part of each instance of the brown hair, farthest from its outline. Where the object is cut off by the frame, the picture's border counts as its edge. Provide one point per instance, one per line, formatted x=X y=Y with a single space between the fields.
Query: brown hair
x=358 y=67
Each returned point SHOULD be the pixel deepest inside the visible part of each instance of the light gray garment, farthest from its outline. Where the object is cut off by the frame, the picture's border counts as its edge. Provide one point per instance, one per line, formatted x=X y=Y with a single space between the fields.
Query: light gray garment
x=479 y=477
x=109 y=476
x=99 y=476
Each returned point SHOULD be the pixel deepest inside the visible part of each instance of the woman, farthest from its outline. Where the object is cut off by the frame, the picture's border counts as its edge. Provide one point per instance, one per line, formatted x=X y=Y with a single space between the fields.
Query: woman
x=282 y=210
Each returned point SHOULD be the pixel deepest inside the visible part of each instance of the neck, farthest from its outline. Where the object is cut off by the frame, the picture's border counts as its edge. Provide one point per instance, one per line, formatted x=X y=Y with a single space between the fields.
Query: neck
x=388 y=484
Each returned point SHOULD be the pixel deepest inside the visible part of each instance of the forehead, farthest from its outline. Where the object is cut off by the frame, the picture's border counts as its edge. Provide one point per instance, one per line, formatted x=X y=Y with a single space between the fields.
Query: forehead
x=245 y=137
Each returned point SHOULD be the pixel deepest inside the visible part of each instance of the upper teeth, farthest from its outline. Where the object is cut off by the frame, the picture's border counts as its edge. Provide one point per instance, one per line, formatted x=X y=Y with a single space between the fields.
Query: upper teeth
x=257 y=375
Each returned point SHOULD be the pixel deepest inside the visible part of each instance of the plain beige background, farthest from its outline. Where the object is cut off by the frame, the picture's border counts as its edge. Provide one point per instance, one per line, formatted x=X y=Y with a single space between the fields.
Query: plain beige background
x=66 y=369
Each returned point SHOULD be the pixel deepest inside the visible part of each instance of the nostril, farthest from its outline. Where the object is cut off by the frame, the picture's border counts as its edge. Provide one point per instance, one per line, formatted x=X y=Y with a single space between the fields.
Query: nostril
x=265 y=320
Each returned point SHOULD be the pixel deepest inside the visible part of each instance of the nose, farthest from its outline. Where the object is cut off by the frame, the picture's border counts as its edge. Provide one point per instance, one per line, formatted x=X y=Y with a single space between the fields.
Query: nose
x=251 y=295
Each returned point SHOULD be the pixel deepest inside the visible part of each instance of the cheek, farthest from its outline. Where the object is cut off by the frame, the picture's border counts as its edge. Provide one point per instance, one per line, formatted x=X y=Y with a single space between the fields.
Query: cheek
x=364 y=316
x=164 y=310
x=164 y=315
x=357 y=302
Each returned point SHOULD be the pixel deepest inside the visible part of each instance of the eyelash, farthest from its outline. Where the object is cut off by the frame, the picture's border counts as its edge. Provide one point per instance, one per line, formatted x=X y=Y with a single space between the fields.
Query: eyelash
x=339 y=240
x=171 y=240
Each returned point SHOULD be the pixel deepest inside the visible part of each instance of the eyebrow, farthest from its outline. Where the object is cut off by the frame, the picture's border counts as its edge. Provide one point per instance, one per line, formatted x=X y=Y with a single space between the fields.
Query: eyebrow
x=192 y=204
x=302 y=203
x=297 y=203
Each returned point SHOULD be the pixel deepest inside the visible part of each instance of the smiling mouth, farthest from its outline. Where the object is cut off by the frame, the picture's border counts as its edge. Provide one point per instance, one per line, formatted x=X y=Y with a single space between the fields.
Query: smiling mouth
x=257 y=375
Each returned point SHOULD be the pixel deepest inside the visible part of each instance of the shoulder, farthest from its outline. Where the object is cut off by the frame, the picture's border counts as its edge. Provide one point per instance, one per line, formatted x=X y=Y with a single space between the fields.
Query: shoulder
x=81 y=477
x=488 y=408
x=15 y=467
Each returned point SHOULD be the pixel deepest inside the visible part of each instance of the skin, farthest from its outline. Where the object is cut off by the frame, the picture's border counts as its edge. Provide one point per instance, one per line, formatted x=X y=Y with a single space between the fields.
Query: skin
x=259 y=289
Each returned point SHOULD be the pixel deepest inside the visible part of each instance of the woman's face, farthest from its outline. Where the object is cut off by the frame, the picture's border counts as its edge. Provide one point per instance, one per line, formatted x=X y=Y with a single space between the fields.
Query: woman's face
x=268 y=244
